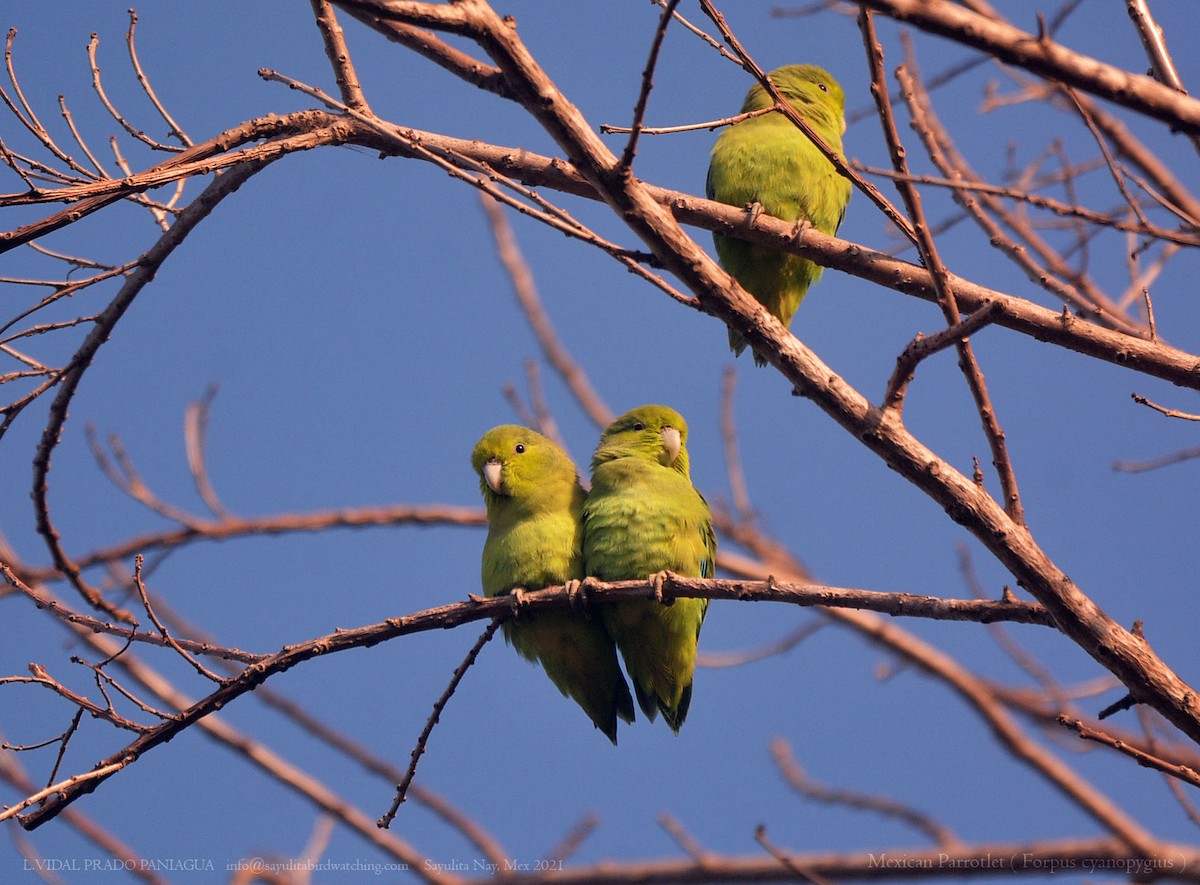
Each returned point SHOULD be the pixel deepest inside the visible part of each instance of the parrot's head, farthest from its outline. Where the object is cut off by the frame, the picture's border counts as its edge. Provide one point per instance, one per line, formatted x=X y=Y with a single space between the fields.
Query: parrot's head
x=811 y=90
x=520 y=465
x=655 y=433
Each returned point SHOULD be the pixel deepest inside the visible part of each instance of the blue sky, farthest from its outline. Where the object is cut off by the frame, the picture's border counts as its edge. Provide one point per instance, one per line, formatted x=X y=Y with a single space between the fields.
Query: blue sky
x=360 y=327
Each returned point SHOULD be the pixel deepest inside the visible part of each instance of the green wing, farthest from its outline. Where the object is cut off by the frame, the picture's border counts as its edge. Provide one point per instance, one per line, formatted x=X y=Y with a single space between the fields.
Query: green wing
x=641 y=519
x=768 y=161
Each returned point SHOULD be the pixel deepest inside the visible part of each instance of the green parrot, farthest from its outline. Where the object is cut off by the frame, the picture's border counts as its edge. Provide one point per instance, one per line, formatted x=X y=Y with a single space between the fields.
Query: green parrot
x=768 y=162
x=535 y=540
x=643 y=517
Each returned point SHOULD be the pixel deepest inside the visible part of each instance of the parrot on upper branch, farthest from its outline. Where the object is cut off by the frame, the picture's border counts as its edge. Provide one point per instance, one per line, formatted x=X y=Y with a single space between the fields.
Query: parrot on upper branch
x=766 y=161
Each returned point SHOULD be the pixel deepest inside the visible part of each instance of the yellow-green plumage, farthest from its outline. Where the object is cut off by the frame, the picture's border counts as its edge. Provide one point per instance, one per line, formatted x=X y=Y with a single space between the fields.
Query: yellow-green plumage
x=535 y=540
x=642 y=517
x=767 y=161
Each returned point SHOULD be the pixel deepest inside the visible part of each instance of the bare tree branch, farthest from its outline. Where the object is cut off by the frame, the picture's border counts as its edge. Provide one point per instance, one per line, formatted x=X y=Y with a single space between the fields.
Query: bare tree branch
x=1079 y=245
x=1046 y=58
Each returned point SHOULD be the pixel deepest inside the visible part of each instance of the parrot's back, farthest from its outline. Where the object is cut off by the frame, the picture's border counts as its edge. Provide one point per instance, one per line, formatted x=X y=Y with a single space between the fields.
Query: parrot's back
x=641 y=519
x=768 y=161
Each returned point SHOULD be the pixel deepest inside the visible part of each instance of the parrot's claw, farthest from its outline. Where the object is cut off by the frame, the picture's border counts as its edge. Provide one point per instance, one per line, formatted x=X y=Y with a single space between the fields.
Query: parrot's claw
x=753 y=211
x=658 y=581
x=573 y=587
x=586 y=587
x=802 y=224
x=518 y=602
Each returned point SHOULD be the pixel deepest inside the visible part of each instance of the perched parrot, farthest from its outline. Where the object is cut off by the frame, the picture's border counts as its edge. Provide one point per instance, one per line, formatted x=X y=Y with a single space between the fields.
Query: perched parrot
x=643 y=517
x=535 y=540
x=766 y=161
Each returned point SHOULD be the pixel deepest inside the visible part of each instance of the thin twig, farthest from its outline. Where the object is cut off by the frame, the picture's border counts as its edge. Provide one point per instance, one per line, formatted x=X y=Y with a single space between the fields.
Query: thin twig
x=717 y=660
x=1170 y=413
x=524 y=413
x=1150 y=314
x=1041 y=674
x=699 y=32
x=107 y=713
x=87 y=152
x=685 y=840
x=1155 y=44
x=195 y=438
x=1053 y=274
x=122 y=473
x=924 y=346
x=574 y=838
x=98 y=88
x=1156 y=463
x=338 y=54
x=26 y=114
x=1042 y=56
x=1026 y=195
x=103 y=679
x=639 y=108
x=543 y=418
x=1146 y=760
x=167 y=638
x=69 y=383
x=733 y=461
x=110 y=845
x=285 y=523
x=788 y=862
x=73 y=782
x=257 y=754
x=710 y=125
x=402 y=788
x=799 y=780
x=929 y=254
x=1118 y=178
x=490 y=181
x=1146 y=719
x=527 y=296
x=336 y=738
x=175 y=129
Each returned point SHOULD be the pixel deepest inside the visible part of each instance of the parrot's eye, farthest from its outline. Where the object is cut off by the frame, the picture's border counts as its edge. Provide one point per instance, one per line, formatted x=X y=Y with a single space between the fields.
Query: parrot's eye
x=822 y=87
x=520 y=449
x=639 y=426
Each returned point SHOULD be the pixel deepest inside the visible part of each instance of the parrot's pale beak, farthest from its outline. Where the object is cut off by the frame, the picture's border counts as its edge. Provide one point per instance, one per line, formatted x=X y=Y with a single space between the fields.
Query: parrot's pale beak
x=492 y=476
x=671 y=444
x=843 y=125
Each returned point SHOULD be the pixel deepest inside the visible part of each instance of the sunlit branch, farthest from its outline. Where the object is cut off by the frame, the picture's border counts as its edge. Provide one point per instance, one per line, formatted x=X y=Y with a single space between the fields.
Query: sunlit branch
x=502 y=607
x=1147 y=760
x=799 y=780
x=1043 y=56
x=527 y=296
x=102 y=329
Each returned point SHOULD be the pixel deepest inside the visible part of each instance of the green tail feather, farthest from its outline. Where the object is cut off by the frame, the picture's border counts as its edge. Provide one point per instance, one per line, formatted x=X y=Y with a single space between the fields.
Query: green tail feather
x=738 y=344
